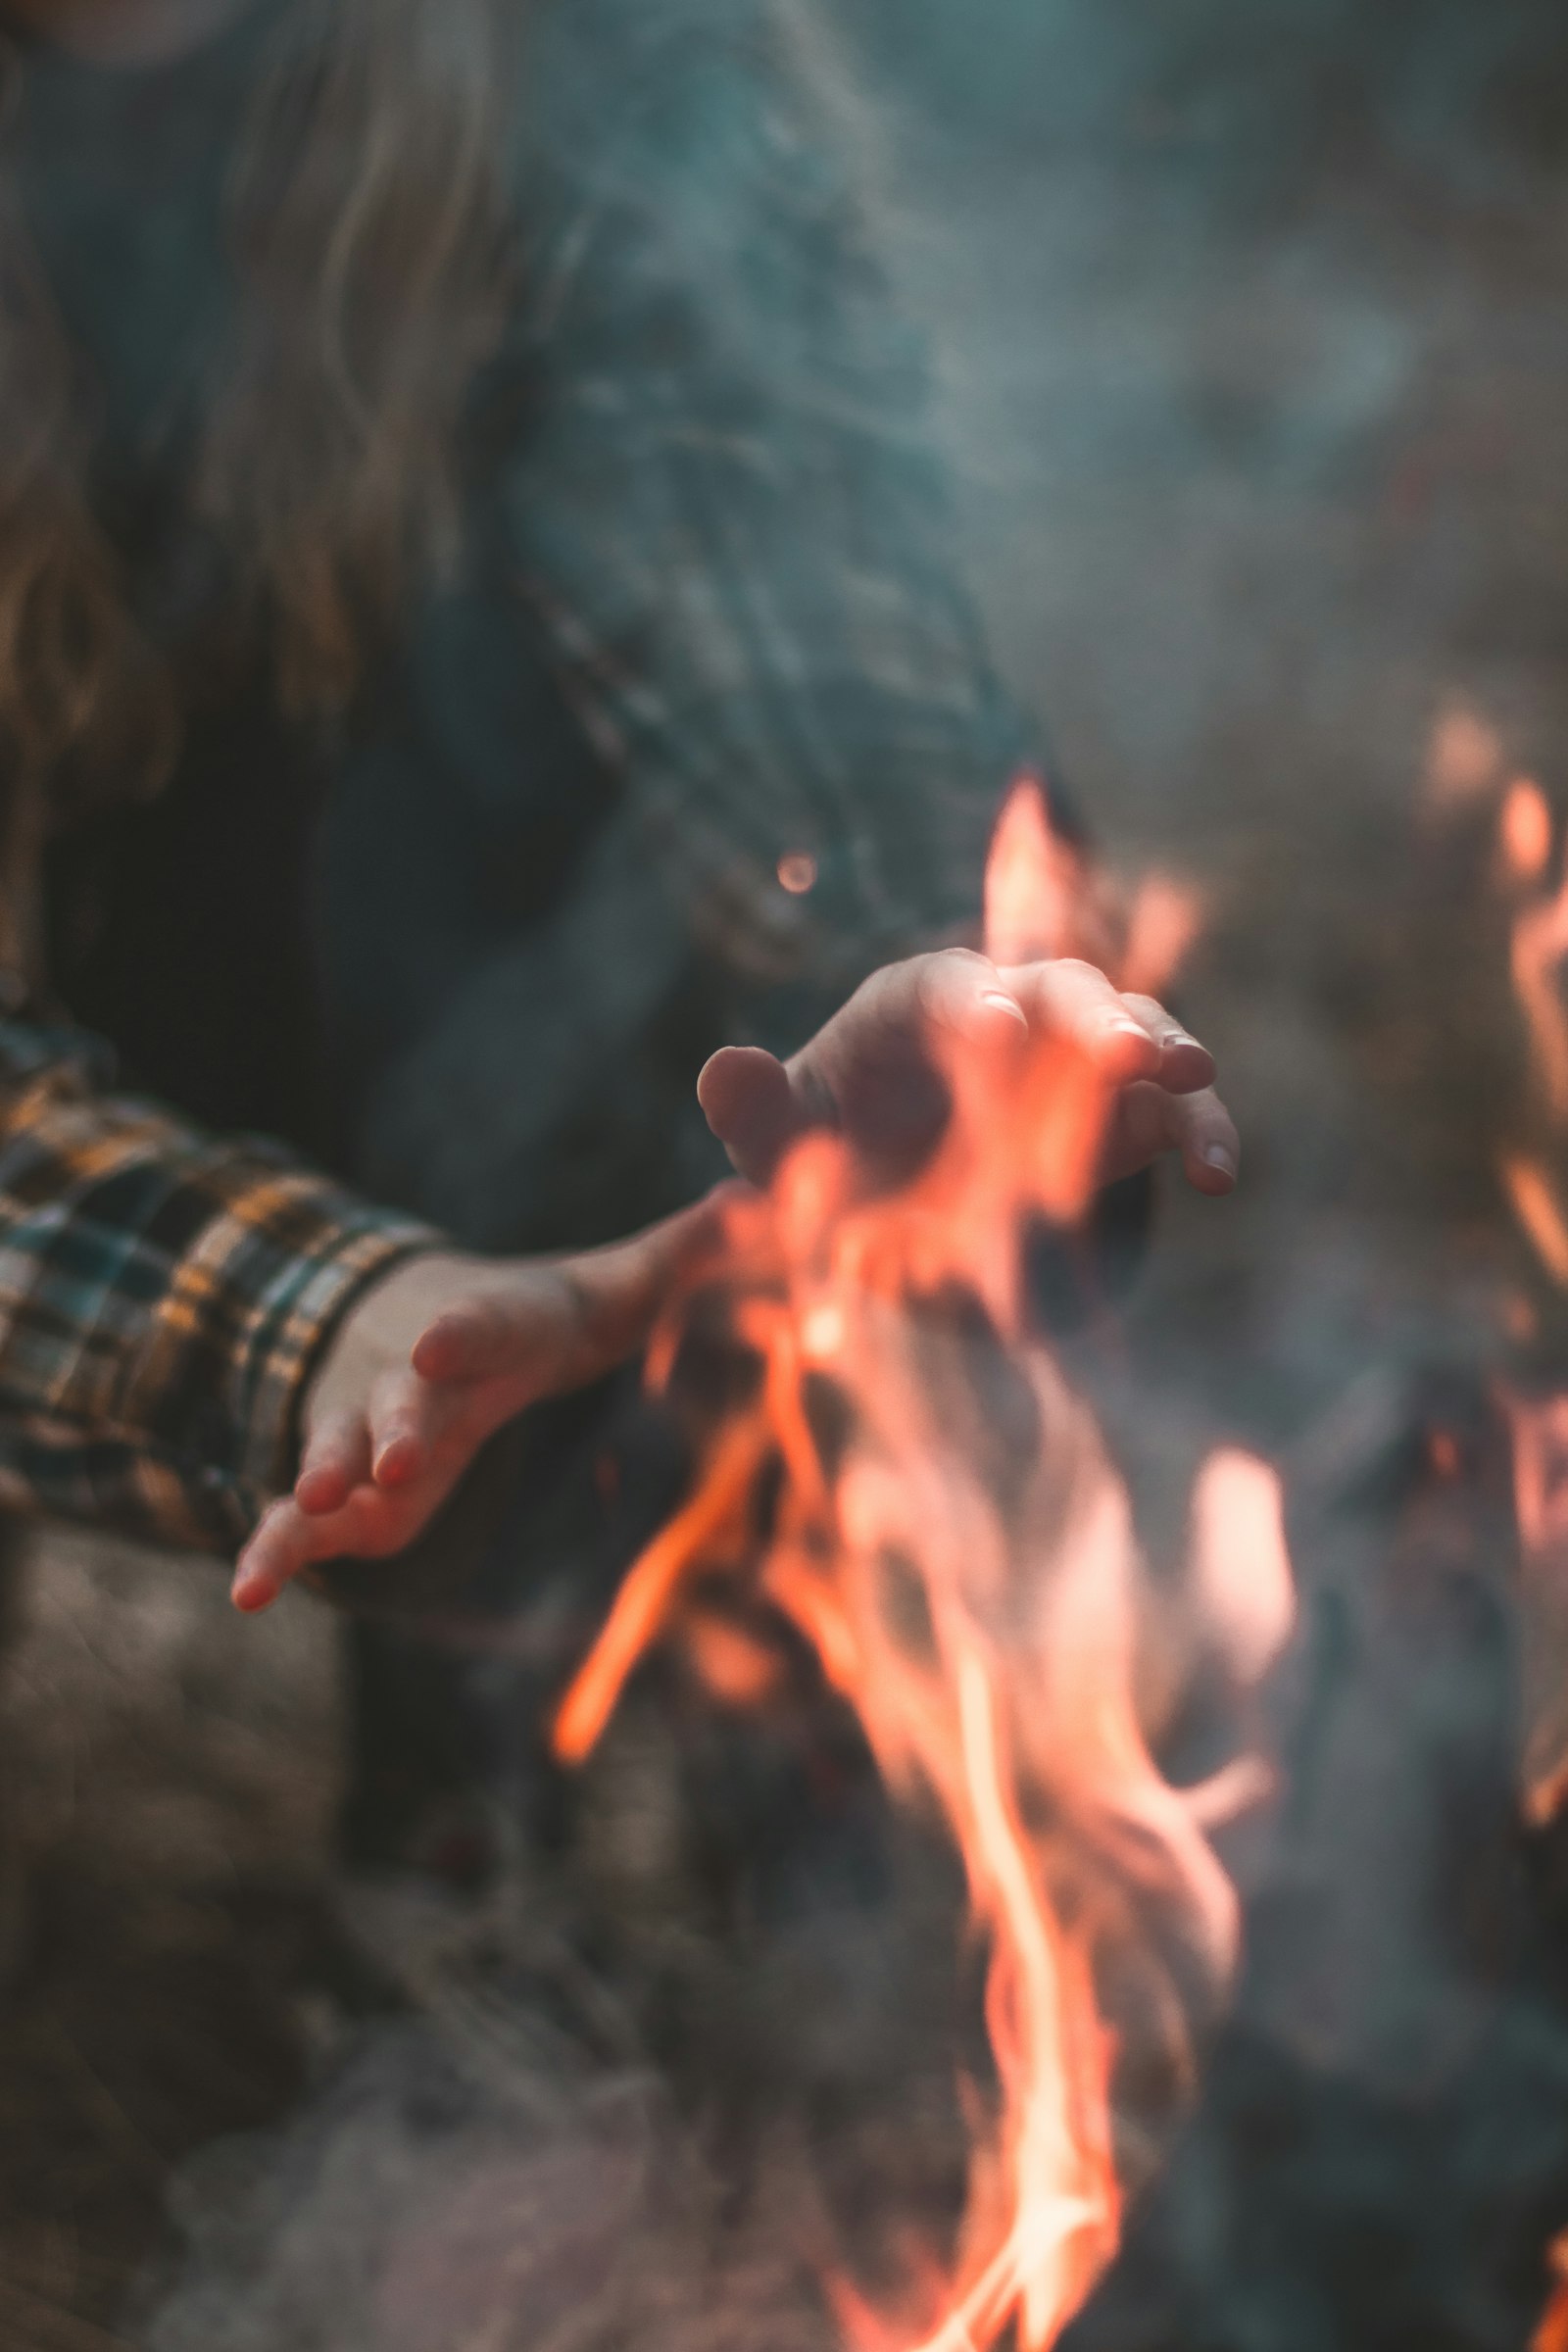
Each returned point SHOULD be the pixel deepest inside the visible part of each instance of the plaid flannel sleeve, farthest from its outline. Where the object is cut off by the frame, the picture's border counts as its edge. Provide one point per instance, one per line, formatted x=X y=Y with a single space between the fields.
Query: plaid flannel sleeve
x=164 y=1297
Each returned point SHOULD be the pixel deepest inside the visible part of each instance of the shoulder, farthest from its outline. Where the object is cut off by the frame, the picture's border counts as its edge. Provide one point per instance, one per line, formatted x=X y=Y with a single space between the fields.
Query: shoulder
x=678 y=101
x=629 y=53
x=694 y=190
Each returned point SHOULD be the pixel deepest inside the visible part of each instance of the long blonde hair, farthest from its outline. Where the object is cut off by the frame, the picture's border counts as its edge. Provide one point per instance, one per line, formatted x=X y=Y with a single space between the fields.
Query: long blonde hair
x=369 y=226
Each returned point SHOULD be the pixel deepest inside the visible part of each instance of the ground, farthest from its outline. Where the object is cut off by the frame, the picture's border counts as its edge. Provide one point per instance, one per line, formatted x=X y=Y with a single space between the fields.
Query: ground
x=170 y=1772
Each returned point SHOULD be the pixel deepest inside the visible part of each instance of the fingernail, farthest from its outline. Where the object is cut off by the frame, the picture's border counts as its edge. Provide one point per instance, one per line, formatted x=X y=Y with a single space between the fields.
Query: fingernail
x=1217 y=1157
x=1132 y=1031
x=1005 y=1004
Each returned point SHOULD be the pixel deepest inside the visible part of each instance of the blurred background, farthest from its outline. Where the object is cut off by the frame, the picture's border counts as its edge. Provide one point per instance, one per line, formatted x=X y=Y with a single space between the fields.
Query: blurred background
x=1249 y=326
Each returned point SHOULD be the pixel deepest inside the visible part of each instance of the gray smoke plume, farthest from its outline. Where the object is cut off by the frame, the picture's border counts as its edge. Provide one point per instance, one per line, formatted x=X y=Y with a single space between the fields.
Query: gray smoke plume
x=448 y=2190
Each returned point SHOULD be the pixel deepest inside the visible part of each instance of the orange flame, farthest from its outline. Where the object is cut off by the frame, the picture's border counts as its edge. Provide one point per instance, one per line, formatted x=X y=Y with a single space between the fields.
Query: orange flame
x=1540 y=945
x=1552 y=2333
x=1524 y=830
x=1240 y=1563
x=1035 y=882
x=1539 y=1427
x=737 y=1667
x=1538 y=1209
x=1540 y=1423
x=977 y=1603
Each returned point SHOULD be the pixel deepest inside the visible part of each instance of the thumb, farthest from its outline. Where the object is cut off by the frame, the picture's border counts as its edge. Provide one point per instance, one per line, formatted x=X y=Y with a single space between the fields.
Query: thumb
x=750 y=1105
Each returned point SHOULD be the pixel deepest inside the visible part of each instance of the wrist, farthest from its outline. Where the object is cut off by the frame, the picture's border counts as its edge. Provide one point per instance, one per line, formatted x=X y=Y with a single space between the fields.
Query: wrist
x=379 y=1326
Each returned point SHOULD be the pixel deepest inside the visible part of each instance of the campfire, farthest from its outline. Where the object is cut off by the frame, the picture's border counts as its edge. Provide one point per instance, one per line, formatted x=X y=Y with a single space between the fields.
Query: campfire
x=1242 y=1853
x=900 y=1473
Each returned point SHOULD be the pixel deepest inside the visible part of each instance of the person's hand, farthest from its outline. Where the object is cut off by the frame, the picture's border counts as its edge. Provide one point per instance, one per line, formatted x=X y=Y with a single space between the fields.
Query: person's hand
x=428 y=1364
x=871 y=1075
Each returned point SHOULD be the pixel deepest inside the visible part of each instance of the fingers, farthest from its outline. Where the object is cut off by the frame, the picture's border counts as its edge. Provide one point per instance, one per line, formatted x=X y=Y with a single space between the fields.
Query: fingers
x=1072 y=1000
x=1064 y=997
x=1149 y=1121
x=1202 y=1130
x=878 y=1071
x=368 y=1483
x=959 y=990
x=267 y=1562
x=751 y=1106
x=1067 y=998
x=286 y=1541
x=407 y=1418
x=1186 y=1067
x=370 y=1525
x=336 y=1458
x=387 y=1445
x=409 y=1451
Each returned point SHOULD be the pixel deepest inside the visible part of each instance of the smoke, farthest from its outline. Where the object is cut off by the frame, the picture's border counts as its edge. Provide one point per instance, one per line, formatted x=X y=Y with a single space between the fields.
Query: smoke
x=450 y=2189
x=1250 y=369
x=1245 y=333
x=1246 y=323
x=641 y=2099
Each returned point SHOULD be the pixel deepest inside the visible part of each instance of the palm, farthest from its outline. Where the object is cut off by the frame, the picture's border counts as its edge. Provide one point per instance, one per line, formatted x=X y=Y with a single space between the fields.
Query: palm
x=439 y=1356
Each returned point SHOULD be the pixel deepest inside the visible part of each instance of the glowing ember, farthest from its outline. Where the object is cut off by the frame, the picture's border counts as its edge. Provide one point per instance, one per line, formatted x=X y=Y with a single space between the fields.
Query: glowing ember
x=944 y=1525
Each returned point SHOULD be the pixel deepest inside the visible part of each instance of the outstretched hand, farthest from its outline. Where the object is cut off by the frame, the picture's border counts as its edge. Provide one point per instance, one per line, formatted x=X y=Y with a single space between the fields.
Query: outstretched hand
x=430 y=1363
x=871 y=1075
x=445 y=1348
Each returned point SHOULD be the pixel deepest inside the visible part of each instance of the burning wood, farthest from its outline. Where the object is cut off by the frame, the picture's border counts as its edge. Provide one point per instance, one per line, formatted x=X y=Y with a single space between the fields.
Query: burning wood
x=908 y=1479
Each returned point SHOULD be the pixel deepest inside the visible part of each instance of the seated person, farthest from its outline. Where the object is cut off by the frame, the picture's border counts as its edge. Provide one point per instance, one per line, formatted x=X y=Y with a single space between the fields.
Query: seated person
x=190 y=1327
x=479 y=632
